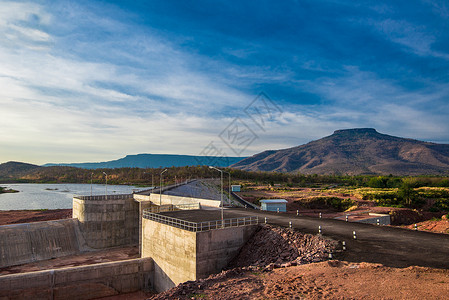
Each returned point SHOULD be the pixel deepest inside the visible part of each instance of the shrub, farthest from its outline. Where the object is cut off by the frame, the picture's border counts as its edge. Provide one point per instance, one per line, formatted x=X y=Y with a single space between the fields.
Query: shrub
x=440 y=205
x=328 y=202
x=388 y=202
x=342 y=204
x=433 y=193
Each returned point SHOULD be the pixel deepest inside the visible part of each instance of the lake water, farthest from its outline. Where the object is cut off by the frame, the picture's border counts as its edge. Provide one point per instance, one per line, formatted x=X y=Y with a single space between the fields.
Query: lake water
x=53 y=196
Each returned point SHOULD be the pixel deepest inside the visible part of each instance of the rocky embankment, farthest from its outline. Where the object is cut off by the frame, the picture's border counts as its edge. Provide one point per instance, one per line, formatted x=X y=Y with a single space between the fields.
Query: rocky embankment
x=276 y=246
x=270 y=248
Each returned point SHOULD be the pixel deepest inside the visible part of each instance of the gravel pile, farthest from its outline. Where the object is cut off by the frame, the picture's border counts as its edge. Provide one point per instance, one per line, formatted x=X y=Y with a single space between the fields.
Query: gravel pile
x=277 y=246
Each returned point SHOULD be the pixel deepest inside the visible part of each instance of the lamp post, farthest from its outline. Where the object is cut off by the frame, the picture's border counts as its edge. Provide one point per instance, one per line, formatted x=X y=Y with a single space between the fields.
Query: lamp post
x=152 y=179
x=160 y=189
x=221 y=195
x=91 y=180
x=229 y=185
x=106 y=186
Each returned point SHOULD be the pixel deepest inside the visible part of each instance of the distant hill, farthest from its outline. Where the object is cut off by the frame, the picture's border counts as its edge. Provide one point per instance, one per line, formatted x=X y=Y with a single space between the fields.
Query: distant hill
x=355 y=151
x=14 y=169
x=156 y=161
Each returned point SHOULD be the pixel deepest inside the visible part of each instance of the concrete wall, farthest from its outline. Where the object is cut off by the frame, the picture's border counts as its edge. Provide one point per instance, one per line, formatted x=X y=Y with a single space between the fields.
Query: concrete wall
x=29 y=242
x=383 y=219
x=107 y=222
x=173 y=251
x=86 y=282
x=216 y=248
x=181 y=255
x=169 y=199
x=274 y=207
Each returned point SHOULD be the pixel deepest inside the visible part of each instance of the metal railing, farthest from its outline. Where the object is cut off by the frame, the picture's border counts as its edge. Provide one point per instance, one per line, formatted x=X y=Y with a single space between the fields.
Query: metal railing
x=244 y=202
x=172 y=207
x=104 y=197
x=188 y=206
x=201 y=226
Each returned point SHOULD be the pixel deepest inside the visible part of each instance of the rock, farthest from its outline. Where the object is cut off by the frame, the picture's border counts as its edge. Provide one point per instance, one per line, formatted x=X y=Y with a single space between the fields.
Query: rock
x=270 y=267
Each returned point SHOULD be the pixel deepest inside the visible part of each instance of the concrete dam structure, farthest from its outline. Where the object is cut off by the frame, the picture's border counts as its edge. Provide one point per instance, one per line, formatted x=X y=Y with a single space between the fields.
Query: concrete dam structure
x=177 y=242
x=107 y=221
x=192 y=244
x=30 y=242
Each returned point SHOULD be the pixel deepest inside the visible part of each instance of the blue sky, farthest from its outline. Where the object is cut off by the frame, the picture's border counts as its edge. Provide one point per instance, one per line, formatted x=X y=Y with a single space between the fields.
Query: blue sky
x=96 y=80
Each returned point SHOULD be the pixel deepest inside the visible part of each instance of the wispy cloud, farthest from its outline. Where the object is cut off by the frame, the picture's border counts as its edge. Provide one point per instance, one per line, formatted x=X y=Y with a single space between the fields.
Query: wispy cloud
x=415 y=38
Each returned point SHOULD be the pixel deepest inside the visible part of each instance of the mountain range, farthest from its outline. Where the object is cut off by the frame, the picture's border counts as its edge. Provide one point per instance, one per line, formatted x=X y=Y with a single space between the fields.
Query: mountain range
x=155 y=161
x=355 y=151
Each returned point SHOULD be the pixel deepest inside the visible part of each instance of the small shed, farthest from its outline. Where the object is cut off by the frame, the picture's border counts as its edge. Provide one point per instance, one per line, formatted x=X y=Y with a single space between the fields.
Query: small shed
x=274 y=205
x=235 y=188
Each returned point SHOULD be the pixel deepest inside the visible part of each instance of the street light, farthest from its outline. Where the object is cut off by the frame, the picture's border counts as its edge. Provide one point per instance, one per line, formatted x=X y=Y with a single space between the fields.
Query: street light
x=106 y=186
x=221 y=195
x=229 y=185
x=152 y=179
x=160 y=189
x=91 y=179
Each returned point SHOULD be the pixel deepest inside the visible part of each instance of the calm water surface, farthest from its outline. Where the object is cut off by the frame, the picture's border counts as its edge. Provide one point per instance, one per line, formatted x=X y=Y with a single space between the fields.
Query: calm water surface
x=53 y=196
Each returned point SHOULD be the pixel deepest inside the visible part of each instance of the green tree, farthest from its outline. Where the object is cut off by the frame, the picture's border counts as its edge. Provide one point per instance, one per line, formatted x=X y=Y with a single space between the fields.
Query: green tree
x=407 y=190
x=378 y=182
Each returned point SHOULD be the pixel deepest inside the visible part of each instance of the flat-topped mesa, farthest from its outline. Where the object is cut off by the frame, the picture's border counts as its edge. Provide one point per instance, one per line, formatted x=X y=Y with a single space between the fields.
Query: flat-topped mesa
x=356 y=130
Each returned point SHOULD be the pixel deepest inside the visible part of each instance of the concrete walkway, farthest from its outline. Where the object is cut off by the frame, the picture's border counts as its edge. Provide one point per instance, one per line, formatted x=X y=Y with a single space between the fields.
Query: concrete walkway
x=393 y=247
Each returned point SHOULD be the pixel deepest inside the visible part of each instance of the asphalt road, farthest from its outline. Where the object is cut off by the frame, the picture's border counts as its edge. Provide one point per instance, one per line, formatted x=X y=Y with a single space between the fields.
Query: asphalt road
x=393 y=247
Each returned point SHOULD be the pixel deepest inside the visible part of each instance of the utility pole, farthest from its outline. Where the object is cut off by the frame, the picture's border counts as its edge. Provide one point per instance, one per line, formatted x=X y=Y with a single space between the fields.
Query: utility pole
x=160 y=188
x=221 y=195
x=106 y=186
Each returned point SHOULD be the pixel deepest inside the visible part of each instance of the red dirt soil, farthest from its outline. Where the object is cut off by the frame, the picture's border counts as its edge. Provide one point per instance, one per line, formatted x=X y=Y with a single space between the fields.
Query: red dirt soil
x=324 y=280
x=89 y=258
x=439 y=226
x=28 y=216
